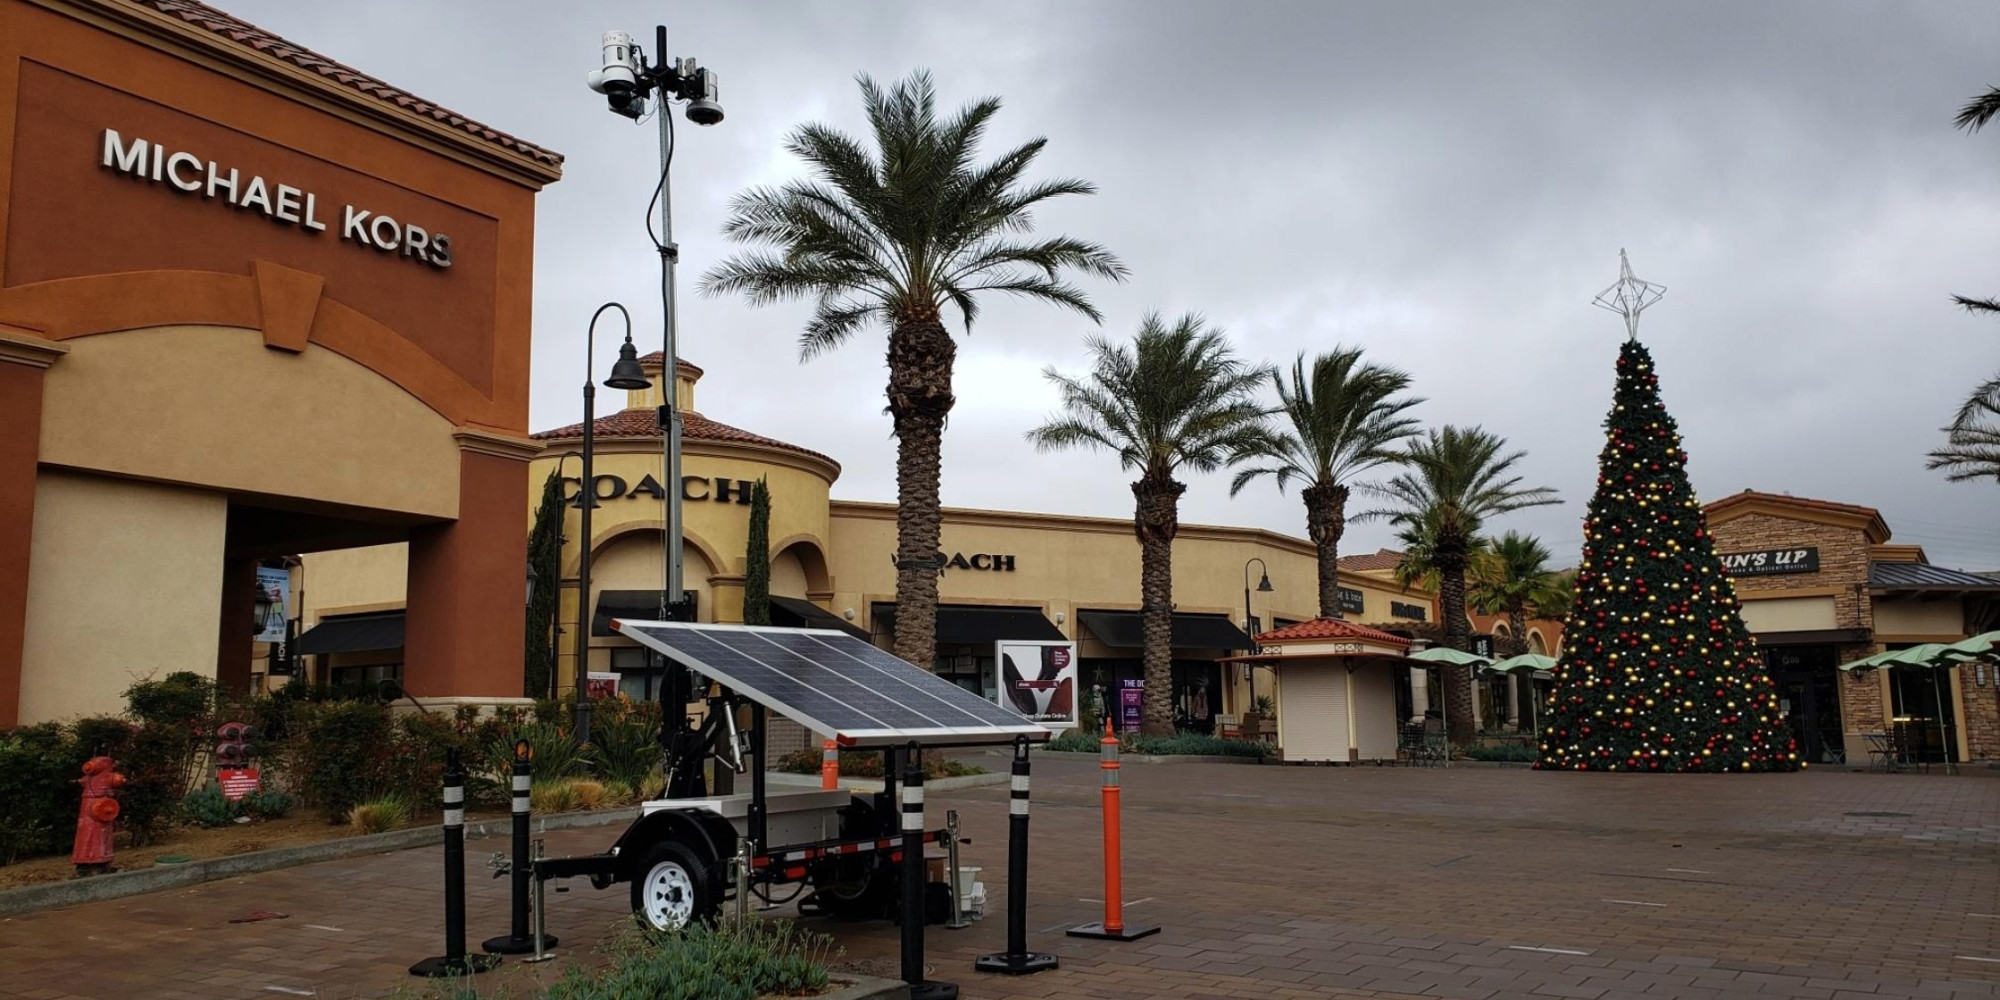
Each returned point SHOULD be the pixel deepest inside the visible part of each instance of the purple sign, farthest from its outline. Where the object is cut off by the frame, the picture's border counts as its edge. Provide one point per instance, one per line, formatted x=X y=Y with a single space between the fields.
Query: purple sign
x=1131 y=705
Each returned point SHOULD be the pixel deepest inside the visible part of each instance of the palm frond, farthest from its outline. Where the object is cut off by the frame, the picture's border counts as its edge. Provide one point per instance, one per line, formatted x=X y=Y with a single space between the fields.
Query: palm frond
x=1978 y=111
x=1977 y=305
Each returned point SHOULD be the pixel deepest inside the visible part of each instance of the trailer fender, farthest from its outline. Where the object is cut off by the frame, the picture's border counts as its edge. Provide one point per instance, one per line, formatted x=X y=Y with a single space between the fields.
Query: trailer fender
x=708 y=835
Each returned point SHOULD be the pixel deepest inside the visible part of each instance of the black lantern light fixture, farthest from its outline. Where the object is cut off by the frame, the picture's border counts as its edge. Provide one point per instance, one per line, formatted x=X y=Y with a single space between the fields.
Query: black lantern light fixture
x=625 y=374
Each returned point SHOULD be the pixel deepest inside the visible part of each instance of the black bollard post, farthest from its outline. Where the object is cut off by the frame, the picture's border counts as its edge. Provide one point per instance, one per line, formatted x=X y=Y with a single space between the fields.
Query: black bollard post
x=522 y=940
x=1017 y=960
x=454 y=961
x=913 y=885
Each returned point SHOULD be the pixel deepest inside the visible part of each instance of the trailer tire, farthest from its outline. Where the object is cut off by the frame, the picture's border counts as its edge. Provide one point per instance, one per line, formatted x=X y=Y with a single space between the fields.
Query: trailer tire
x=673 y=888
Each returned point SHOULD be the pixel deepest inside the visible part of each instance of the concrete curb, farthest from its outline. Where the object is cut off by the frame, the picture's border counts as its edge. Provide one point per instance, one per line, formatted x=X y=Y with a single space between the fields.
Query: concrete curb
x=74 y=892
x=1141 y=758
x=866 y=988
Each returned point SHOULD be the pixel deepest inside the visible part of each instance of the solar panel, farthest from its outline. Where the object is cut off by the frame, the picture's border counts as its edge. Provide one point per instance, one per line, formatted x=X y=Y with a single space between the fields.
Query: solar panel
x=834 y=684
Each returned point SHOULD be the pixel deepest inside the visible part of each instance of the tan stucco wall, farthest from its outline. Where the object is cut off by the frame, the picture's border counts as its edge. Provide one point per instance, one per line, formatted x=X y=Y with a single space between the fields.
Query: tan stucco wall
x=1064 y=563
x=1920 y=618
x=125 y=580
x=307 y=425
x=1789 y=614
x=349 y=581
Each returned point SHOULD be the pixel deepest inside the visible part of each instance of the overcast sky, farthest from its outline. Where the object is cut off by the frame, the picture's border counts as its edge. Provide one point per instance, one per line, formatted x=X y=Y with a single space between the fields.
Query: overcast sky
x=1446 y=185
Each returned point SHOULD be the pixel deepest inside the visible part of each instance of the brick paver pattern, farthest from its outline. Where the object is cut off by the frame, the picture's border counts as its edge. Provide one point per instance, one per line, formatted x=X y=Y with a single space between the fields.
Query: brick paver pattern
x=1271 y=882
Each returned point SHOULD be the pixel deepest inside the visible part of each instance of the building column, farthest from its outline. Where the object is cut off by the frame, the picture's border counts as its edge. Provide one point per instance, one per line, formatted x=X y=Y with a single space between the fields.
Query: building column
x=1420 y=693
x=1513 y=701
x=237 y=622
x=23 y=359
x=466 y=624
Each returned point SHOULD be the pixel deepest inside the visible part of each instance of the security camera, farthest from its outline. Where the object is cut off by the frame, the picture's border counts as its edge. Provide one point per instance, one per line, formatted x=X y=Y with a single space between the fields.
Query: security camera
x=618 y=79
x=703 y=109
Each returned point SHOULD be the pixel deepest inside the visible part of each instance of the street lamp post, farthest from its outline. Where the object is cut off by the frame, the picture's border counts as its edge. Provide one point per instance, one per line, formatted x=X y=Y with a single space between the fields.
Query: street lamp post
x=1249 y=618
x=625 y=374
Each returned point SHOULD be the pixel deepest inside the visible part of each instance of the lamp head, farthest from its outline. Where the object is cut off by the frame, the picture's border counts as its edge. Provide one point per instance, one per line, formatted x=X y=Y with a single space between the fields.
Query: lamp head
x=1264 y=585
x=626 y=373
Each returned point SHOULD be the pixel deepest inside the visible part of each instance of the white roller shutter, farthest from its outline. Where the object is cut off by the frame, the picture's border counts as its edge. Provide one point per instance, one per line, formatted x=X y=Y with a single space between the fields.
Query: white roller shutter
x=1375 y=712
x=1312 y=720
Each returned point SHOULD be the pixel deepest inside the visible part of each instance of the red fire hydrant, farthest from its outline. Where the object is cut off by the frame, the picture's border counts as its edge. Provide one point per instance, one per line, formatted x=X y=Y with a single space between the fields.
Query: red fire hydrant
x=92 y=852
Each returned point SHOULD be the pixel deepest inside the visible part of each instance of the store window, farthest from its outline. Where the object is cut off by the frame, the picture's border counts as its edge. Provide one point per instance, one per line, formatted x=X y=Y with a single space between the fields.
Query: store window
x=638 y=671
x=1921 y=712
x=967 y=668
x=356 y=675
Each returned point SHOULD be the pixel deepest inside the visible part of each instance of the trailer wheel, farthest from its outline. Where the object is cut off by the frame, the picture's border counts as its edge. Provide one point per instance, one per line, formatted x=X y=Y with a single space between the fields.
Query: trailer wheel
x=673 y=888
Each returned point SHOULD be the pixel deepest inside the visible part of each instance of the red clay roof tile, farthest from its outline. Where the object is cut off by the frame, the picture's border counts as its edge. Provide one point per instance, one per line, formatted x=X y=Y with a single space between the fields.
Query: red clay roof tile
x=250 y=36
x=1330 y=628
x=641 y=422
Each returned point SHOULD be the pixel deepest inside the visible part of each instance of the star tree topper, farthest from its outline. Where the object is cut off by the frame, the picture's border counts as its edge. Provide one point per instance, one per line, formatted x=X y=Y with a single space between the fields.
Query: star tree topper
x=1629 y=296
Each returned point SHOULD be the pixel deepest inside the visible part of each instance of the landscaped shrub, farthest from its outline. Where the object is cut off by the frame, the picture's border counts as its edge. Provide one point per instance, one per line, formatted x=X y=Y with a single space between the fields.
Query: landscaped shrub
x=39 y=796
x=267 y=804
x=587 y=793
x=554 y=796
x=176 y=721
x=864 y=764
x=207 y=806
x=735 y=960
x=624 y=741
x=341 y=755
x=379 y=815
x=556 y=754
x=424 y=745
x=1182 y=744
x=1511 y=752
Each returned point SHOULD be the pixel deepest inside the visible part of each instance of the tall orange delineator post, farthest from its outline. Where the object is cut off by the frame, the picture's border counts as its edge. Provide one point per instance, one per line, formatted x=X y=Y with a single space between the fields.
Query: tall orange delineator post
x=829 y=766
x=1113 y=926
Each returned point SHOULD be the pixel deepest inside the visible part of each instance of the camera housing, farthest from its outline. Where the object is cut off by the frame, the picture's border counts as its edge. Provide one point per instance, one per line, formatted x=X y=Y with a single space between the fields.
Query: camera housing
x=618 y=78
x=702 y=89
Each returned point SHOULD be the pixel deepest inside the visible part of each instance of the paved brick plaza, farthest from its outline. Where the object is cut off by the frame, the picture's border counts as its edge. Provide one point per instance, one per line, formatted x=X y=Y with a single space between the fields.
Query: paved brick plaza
x=1467 y=882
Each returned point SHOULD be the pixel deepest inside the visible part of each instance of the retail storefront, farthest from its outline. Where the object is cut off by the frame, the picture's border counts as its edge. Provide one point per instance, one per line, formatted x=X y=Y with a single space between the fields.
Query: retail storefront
x=1020 y=577
x=253 y=304
x=1821 y=584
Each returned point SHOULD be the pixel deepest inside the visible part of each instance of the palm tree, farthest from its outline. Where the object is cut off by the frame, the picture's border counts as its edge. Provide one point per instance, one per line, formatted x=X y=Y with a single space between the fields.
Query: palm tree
x=1176 y=399
x=1518 y=579
x=1344 y=420
x=1555 y=603
x=1973 y=439
x=1457 y=478
x=893 y=236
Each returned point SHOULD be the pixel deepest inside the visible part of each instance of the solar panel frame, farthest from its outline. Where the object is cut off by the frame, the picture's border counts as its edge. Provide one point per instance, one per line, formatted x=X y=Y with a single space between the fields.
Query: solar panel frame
x=835 y=684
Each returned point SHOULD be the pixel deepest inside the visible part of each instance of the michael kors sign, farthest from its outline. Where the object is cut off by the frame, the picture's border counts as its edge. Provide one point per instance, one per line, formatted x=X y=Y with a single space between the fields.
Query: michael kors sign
x=281 y=203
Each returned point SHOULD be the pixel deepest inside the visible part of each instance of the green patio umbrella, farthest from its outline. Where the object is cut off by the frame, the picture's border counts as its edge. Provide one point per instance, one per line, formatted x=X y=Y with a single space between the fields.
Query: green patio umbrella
x=1446 y=654
x=1931 y=656
x=1980 y=647
x=1525 y=661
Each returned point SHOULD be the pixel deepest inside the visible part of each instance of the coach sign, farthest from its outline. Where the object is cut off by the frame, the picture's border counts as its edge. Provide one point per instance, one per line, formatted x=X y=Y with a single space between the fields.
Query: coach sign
x=1771 y=562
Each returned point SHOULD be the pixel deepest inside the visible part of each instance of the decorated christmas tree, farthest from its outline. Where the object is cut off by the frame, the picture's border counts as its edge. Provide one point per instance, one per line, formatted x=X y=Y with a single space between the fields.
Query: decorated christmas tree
x=1658 y=671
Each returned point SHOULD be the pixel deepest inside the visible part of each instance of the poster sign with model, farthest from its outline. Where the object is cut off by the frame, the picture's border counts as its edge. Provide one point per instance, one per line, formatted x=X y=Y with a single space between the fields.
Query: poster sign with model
x=1038 y=680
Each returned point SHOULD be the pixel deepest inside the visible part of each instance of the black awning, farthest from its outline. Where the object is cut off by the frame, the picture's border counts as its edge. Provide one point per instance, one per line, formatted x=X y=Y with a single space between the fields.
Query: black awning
x=792 y=612
x=643 y=605
x=353 y=634
x=976 y=625
x=1815 y=637
x=1121 y=630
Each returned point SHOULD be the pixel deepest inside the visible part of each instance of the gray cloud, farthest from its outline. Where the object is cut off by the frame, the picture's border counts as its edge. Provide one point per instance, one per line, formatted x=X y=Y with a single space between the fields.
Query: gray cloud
x=1445 y=184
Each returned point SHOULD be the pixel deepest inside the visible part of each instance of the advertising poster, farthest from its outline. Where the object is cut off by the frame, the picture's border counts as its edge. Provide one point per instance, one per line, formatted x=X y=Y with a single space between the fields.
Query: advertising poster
x=1038 y=680
x=1131 y=705
x=274 y=597
x=601 y=684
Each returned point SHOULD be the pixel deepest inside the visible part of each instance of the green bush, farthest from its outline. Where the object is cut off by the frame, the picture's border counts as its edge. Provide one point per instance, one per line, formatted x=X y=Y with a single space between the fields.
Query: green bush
x=207 y=806
x=342 y=753
x=176 y=722
x=868 y=764
x=556 y=753
x=730 y=961
x=39 y=796
x=1183 y=744
x=267 y=804
x=624 y=741
x=1511 y=752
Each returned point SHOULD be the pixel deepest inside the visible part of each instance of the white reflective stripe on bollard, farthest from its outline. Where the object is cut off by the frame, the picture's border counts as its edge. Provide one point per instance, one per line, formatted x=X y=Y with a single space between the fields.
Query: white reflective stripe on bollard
x=454 y=817
x=1018 y=807
x=1020 y=782
x=454 y=795
x=521 y=783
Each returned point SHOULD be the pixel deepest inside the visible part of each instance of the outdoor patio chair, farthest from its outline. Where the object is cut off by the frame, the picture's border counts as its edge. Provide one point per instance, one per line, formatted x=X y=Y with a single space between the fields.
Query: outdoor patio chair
x=1410 y=745
x=1437 y=743
x=1880 y=751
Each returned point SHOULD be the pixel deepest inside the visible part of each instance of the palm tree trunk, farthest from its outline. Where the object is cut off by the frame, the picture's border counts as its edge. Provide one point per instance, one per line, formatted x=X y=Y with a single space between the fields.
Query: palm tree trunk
x=1518 y=618
x=1156 y=520
x=1457 y=635
x=920 y=361
x=1326 y=521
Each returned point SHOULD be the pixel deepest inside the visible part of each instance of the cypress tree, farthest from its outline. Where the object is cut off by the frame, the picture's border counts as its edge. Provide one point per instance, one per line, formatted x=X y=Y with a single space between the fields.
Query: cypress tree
x=545 y=556
x=1658 y=671
x=757 y=560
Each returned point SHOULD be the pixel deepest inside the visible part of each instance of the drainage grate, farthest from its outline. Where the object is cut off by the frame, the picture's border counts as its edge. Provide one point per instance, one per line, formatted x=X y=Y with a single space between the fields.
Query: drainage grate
x=1885 y=815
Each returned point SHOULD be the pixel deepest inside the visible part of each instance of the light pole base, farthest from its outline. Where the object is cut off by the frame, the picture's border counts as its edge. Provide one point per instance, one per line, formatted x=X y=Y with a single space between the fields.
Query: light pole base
x=1015 y=965
x=1129 y=932
x=928 y=990
x=468 y=965
x=517 y=945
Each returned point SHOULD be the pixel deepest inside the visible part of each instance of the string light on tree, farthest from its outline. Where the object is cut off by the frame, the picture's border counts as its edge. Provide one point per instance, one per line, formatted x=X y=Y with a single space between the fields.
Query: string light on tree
x=1659 y=673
